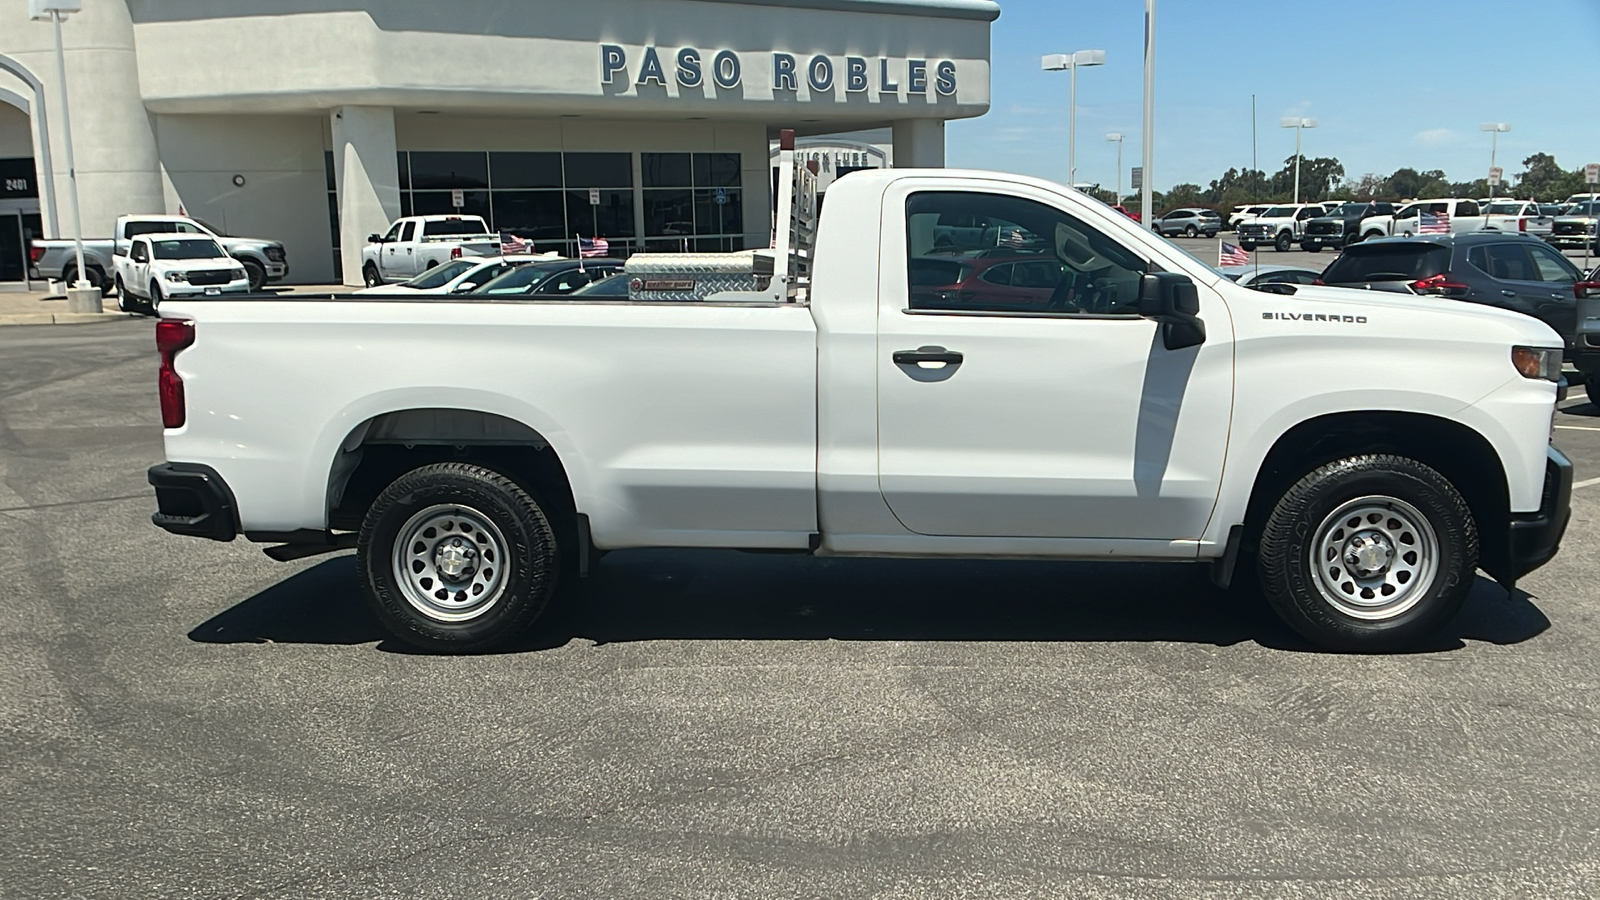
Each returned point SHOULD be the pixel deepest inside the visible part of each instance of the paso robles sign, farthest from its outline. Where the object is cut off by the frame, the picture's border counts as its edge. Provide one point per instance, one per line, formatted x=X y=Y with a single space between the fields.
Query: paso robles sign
x=690 y=69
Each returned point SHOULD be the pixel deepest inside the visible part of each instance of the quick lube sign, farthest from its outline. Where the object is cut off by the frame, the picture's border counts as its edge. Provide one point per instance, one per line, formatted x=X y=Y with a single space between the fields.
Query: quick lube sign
x=690 y=69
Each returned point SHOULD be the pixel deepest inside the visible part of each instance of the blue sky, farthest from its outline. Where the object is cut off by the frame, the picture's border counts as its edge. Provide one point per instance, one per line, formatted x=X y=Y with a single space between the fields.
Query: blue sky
x=1393 y=83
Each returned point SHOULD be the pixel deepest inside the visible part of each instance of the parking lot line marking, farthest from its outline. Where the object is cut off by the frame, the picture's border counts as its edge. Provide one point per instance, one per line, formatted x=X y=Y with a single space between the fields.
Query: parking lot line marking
x=1585 y=483
x=1578 y=428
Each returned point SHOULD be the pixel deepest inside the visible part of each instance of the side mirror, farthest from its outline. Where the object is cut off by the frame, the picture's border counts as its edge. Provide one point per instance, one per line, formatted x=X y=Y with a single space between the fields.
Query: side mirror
x=1586 y=289
x=374 y=238
x=463 y=287
x=1172 y=299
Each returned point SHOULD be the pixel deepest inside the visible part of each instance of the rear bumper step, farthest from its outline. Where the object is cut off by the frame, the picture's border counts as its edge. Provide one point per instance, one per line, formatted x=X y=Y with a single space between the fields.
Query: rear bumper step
x=193 y=500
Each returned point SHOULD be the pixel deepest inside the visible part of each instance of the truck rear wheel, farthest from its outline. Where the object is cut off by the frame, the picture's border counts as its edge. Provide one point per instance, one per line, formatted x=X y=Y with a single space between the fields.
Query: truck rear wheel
x=1369 y=553
x=455 y=557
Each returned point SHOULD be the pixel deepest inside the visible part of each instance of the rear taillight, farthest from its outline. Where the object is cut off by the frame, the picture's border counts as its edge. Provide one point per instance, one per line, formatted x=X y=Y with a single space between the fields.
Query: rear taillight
x=455 y=252
x=1522 y=224
x=35 y=252
x=1318 y=281
x=172 y=335
x=1441 y=286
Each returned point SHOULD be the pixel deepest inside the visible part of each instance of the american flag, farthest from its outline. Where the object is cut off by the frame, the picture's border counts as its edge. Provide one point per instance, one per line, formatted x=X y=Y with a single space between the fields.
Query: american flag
x=1229 y=255
x=1013 y=237
x=510 y=243
x=1434 y=224
x=593 y=246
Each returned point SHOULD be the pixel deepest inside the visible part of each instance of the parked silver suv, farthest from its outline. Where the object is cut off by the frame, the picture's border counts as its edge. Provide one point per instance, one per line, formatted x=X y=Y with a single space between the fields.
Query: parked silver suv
x=1189 y=222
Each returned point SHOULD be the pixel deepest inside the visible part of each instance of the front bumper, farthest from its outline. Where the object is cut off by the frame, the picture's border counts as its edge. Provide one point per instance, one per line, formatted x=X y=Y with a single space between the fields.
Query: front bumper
x=172 y=290
x=193 y=500
x=1534 y=538
x=277 y=271
x=1323 y=240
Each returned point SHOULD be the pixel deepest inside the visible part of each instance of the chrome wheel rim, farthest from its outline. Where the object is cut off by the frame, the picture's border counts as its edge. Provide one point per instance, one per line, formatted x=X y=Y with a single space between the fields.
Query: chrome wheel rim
x=1374 y=558
x=449 y=561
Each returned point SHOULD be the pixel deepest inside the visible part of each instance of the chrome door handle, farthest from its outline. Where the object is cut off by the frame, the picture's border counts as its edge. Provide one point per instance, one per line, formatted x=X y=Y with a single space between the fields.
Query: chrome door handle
x=1508 y=293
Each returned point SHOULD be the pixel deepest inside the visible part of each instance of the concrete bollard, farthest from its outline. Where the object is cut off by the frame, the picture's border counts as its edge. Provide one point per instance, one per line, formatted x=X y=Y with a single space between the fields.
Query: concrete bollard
x=83 y=300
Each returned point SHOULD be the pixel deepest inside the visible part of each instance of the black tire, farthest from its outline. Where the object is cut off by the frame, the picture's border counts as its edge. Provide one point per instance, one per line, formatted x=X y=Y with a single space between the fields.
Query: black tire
x=257 y=274
x=369 y=274
x=1591 y=389
x=1308 y=524
x=155 y=297
x=95 y=277
x=1246 y=245
x=1311 y=246
x=518 y=526
x=1283 y=243
x=1189 y=231
x=1370 y=235
x=122 y=296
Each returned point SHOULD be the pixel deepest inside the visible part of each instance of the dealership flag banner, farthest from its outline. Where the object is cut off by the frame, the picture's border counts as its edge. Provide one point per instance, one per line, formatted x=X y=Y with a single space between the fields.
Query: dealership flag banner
x=1229 y=255
x=593 y=246
x=510 y=243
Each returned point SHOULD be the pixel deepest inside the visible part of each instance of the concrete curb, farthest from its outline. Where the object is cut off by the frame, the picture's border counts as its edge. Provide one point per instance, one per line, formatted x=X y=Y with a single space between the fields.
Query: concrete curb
x=61 y=318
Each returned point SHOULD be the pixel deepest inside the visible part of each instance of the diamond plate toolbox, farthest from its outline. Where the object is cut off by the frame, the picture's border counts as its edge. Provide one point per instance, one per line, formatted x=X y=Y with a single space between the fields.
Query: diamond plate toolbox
x=682 y=277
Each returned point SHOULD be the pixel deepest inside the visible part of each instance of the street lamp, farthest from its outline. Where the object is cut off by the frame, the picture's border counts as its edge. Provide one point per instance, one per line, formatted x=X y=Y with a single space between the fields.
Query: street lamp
x=1494 y=129
x=1147 y=149
x=1297 y=124
x=78 y=297
x=1115 y=136
x=1055 y=62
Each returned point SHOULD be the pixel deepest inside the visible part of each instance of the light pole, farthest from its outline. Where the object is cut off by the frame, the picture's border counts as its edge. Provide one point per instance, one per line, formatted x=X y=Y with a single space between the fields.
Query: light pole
x=1056 y=62
x=1297 y=124
x=79 y=297
x=1494 y=129
x=1147 y=173
x=1116 y=136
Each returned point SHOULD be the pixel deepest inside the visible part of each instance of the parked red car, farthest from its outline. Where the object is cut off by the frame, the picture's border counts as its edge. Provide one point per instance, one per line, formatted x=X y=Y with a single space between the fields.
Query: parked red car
x=1128 y=212
x=1019 y=281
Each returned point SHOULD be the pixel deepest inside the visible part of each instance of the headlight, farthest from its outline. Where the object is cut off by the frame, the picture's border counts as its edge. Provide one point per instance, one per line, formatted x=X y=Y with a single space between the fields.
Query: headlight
x=275 y=254
x=236 y=274
x=177 y=276
x=1537 y=362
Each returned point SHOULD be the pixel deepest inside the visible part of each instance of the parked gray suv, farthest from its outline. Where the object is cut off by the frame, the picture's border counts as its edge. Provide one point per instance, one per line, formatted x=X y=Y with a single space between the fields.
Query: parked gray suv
x=1189 y=222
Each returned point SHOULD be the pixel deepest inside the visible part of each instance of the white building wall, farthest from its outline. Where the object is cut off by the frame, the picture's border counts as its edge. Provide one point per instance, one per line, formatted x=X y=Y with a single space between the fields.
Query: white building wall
x=284 y=195
x=113 y=136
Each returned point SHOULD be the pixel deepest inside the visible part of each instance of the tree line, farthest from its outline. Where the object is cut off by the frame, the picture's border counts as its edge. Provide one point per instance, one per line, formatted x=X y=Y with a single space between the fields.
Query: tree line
x=1323 y=178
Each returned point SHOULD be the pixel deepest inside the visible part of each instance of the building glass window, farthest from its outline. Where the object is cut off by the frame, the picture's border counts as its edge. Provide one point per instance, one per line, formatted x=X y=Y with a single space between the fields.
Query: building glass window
x=692 y=201
x=449 y=169
x=598 y=170
x=524 y=170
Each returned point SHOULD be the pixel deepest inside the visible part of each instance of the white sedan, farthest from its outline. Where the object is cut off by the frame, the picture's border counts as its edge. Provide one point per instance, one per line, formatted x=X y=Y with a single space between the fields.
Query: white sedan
x=459 y=276
x=157 y=266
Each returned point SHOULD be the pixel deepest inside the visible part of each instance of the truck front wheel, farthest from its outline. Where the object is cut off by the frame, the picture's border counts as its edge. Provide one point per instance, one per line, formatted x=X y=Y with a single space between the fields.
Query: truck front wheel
x=369 y=274
x=1284 y=242
x=1369 y=553
x=1591 y=388
x=455 y=557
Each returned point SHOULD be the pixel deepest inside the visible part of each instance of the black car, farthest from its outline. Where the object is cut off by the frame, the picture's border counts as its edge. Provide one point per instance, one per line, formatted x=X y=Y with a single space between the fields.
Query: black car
x=1512 y=271
x=1342 y=225
x=554 y=278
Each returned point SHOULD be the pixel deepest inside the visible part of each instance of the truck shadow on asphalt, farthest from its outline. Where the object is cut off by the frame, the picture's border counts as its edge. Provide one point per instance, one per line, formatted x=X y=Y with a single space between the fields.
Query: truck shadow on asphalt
x=650 y=595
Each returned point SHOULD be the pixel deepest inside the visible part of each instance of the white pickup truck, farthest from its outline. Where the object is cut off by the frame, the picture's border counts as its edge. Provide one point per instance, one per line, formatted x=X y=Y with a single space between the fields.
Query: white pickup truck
x=263 y=260
x=1281 y=226
x=1521 y=216
x=1463 y=216
x=415 y=244
x=1365 y=454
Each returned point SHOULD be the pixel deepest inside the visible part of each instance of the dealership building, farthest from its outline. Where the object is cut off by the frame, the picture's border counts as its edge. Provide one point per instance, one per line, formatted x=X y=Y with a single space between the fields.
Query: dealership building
x=316 y=122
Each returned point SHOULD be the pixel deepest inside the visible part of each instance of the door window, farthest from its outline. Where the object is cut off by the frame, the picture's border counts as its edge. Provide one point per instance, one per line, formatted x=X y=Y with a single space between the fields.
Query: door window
x=1063 y=266
x=1507 y=262
x=1467 y=208
x=140 y=253
x=394 y=232
x=409 y=232
x=1000 y=275
x=565 y=282
x=1552 y=266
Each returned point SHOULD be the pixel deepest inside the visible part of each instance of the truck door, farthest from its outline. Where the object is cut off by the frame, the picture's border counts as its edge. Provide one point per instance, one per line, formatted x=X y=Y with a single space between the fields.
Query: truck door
x=1065 y=418
x=397 y=255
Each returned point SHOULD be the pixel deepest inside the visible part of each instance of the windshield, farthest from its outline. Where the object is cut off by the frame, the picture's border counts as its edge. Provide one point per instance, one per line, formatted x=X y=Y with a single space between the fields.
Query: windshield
x=1280 y=212
x=1349 y=209
x=1584 y=209
x=211 y=228
x=516 y=281
x=439 y=276
x=1503 y=209
x=612 y=286
x=1407 y=261
x=187 y=248
x=455 y=226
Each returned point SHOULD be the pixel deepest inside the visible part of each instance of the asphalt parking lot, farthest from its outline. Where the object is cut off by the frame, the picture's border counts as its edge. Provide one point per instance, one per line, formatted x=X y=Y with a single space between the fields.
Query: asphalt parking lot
x=180 y=718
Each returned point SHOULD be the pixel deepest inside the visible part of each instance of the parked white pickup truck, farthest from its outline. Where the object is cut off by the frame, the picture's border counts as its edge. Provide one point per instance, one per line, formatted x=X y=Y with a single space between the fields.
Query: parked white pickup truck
x=263 y=260
x=415 y=244
x=1463 y=216
x=158 y=266
x=1516 y=215
x=1364 y=453
x=1281 y=226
